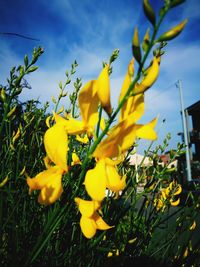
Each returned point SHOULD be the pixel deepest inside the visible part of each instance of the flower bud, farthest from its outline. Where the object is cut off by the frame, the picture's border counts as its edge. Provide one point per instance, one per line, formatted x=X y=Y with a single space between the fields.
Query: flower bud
x=149 y=12
x=149 y=79
x=136 y=46
x=103 y=91
x=171 y=34
x=176 y=3
x=3 y=95
x=4 y=181
x=53 y=100
x=10 y=113
x=146 y=41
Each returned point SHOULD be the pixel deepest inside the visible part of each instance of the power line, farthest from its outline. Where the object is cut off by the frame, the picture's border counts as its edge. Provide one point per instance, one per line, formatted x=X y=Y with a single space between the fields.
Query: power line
x=163 y=91
x=19 y=35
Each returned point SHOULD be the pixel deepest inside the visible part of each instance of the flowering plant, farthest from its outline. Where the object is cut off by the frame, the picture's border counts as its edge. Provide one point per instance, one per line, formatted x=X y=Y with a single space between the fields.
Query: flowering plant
x=88 y=196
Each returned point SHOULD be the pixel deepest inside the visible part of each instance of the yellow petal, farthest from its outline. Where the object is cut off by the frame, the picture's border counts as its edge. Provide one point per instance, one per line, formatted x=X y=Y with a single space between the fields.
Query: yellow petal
x=83 y=139
x=150 y=78
x=70 y=125
x=109 y=147
x=193 y=226
x=134 y=106
x=58 y=119
x=56 y=145
x=175 y=203
x=122 y=137
x=87 y=207
x=88 y=227
x=103 y=91
x=75 y=159
x=114 y=181
x=4 y=181
x=164 y=193
x=113 y=162
x=49 y=182
x=127 y=79
x=48 y=121
x=102 y=124
x=88 y=103
x=95 y=181
x=131 y=241
x=100 y=223
x=110 y=254
x=147 y=132
x=178 y=190
x=186 y=252
x=47 y=162
x=16 y=136
x=171 y=185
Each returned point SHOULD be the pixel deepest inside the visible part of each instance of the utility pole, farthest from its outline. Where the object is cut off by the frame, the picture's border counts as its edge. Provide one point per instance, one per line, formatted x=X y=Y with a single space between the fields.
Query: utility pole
x=185 y=132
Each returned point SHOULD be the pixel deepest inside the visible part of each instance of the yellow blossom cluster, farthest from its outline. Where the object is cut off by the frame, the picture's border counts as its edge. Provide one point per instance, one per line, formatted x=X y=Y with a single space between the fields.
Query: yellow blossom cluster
x=104 y=175
x=168 y=195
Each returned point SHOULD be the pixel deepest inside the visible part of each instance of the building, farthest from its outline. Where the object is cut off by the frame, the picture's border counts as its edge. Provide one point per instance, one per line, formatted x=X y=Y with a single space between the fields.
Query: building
x=193 y=112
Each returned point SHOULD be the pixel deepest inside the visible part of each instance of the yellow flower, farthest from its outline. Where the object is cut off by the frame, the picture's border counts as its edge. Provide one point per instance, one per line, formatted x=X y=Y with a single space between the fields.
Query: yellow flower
x=5 y=180
x=88 y=102
x=150 y=78
x=167 y=196
x=114 y=252
x=87 y=207
x=71 y=125
x=16 y=135
x=135 y=104
x=178 y=190
x=56 y=145
x=103 y=176
x=75 y=159
x=186 y=252
x=193 y=226
x=127 y=79
x=103 y=89
x=122 y=137
x=175 y=203
x=160 y=204
x=49 y=181
x=47 y=121
x=83 y=139
x=90 y=220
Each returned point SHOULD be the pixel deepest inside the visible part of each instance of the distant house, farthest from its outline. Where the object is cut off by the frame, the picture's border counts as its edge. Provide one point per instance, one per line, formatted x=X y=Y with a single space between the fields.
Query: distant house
x=138 y=159
x=143 y=161
x=194 y=135
x=165 y=160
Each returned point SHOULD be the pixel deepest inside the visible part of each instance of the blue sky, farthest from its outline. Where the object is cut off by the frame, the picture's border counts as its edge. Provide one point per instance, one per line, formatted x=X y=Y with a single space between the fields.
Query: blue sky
x=89 y=31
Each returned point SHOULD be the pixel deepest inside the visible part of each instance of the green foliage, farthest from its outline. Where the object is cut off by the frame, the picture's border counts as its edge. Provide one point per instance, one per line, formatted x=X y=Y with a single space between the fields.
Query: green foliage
x=33 y=234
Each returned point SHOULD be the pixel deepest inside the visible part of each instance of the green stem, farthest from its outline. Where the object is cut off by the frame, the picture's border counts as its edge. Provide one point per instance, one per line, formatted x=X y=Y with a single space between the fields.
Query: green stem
x=98 y=124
